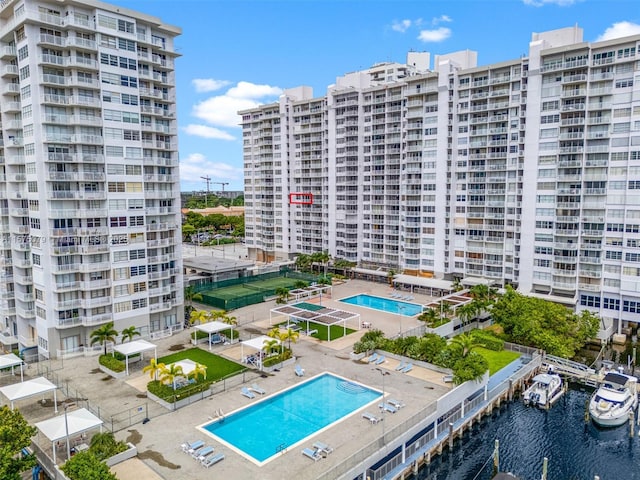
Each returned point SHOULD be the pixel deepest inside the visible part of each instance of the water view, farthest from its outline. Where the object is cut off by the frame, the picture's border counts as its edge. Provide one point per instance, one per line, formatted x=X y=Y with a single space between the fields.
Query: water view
x=576 y=451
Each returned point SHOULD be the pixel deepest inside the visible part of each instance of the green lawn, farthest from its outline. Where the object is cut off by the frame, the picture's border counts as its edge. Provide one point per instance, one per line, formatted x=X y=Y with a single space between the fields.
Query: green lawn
x=337 y=331
x=497 y=360
x=217 y=367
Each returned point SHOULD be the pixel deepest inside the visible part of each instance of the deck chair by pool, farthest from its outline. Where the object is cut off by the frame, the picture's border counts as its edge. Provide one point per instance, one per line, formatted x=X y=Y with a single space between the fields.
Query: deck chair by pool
x=381 y=359
x=401 y=365
x=299 y=371
x=186 y=446
x=255 y=388
x=247 y=393
x=213 y=459
x=323 y=447
x=372 y=358
x=312 y=454
x=396 y=403
x=371 y=417
x=195 y=446
x=408 y=368
x=202 y=453
x=387 y=407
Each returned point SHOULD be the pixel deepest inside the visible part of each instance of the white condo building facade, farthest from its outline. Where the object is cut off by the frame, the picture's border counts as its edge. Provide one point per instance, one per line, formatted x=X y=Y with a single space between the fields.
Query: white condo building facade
x=90 y=196
x=524 y=172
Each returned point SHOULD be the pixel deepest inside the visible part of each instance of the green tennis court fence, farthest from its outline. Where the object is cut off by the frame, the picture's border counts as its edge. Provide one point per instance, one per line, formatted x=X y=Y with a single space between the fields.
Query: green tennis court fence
x=286 y=273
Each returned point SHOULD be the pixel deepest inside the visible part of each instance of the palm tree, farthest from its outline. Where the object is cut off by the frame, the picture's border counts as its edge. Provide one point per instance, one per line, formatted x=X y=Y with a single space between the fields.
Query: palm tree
x=467 y=312
x=229 y=320
x=190 y=295
x=102 y=444
x=199 y=316
x=154 y=368
x=170 y=373
x=466 y=343
x=283 y=295
x=274 y=333
x=303 y=262
x=445 y=309
x=128 y=334
x=324 y=258
x=198 y=370
x=456 y=285
x=299 y=284
x=430 y=316
x=270 y=346
x=390 y=276
x=290 y=335
x=106 y=333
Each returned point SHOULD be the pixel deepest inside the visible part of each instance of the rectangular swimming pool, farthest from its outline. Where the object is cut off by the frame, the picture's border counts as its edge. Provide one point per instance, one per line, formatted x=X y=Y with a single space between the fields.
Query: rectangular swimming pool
x=284 y=420
x=384 y=304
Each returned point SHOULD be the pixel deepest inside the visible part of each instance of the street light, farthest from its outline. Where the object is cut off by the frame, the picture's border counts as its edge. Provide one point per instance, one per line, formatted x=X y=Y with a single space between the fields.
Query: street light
x=401 y=308
x=384 y=373
x=66 y=430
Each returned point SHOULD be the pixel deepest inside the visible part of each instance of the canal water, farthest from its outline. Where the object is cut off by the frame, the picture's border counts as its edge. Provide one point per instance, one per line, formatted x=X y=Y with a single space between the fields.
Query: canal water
x=576 y=450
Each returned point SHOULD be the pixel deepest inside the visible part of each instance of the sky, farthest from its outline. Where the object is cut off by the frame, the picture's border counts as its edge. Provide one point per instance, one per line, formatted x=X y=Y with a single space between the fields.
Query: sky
x=238 y=54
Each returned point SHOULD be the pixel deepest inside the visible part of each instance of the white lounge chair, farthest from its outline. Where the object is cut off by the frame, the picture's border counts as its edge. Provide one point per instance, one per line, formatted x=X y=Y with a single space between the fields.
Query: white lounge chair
x=299 y=371
x=312 y=454
x=195 y=446
x=371 y=417
x=202 y=453
x=401 y=365
x=407 y=368
x=396 y=403
x=373 y=357
x=387 y=407
x=381 y=359
x=247 y=393
x=186 y=446
x=257 y=389
x=213 y=459
x=323 y=447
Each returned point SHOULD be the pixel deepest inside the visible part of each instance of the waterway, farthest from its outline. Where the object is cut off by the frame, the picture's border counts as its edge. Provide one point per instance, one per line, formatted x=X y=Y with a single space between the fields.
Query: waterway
x=576 y=450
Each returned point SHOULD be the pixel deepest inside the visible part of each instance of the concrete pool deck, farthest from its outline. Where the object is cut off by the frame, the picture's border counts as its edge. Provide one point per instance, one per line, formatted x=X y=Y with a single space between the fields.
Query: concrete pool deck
x=158 y=441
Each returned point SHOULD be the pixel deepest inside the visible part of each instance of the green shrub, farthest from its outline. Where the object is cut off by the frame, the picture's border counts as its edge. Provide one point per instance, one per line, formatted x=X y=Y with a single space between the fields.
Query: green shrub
x=112 y=363
x=104 y=445
x=86 y=466
x=488 y=340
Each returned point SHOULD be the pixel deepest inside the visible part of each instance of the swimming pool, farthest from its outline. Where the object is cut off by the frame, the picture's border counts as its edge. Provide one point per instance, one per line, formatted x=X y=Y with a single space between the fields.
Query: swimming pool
x=385 y=304
x=284 y=420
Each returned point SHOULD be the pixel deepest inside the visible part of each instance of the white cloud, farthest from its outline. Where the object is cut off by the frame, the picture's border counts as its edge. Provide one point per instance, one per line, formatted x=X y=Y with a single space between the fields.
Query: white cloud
x=619 y=29
x=401 y=26
x=541 y=3
x=208 y=84
x=441 y=19
x=207 y=132
x=222 y=110
x=437 y=35
x=196 y=165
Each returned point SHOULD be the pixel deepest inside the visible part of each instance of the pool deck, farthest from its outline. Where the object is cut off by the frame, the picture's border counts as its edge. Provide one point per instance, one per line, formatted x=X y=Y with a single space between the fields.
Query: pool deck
x=158 y=441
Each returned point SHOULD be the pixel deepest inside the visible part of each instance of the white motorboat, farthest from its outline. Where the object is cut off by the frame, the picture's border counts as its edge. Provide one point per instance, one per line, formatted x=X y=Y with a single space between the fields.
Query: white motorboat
x=614 y=399
x=546 y=389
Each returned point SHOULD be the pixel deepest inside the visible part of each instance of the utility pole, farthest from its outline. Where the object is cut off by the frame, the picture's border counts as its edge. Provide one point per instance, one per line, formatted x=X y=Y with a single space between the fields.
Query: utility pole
x=208 y=180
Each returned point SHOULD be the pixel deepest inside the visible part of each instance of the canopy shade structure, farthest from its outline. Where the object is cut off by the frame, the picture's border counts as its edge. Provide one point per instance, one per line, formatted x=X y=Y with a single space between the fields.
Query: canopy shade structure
x=214 y=327
x=67 y=425
x=30 y=388
x=473 y=281
x=306 y=312
x=256 y=343
x=311 y=291
x=423 y=282
x=11 y=360
x=132 y=348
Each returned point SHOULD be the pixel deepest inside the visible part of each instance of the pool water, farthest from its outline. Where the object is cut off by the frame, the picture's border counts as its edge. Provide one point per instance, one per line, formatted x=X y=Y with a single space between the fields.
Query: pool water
x=384 y=304
x=281 y=421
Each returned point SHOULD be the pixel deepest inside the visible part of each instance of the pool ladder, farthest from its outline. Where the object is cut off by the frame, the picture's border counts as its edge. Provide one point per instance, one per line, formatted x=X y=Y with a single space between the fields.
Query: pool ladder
x=282 y=448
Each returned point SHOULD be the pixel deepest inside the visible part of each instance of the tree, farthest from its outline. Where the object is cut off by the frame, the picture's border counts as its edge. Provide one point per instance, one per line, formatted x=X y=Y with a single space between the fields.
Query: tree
x=106 y=333
x=190 y=295
x=471 y=367
x=283 y=295
x=291 y=336
x=270 y=346
x=467 y=312
x=390 y=276
x=199 y=317
x=15 y=434
x=303 y=262
x=299 y=284
x=187 y=231
x=154 y=368
x=466 y=343
x=229 y=320
x=198 y=370
x=456 y=285
x=86 y=466
x=129 y=333
x=430 y=316
x=171 y=373
x=104 y=445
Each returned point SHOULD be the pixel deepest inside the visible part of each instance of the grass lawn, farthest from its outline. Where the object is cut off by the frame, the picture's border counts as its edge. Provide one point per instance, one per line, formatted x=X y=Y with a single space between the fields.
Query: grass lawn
x=497 y=360
x=217 y=367
x=337 y=331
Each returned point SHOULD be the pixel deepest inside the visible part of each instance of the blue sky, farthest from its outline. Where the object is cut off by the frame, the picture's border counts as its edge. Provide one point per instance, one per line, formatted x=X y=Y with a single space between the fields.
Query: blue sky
x=240 y=53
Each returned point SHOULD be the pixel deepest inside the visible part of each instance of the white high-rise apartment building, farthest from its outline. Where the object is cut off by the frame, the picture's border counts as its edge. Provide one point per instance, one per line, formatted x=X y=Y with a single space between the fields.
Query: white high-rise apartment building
x=89 y=184
x=524 y=172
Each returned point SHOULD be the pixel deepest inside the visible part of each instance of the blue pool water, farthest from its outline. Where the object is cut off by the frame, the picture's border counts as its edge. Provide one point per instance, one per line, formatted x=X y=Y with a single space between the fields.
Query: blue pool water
x=285 y=419
x=385 y=304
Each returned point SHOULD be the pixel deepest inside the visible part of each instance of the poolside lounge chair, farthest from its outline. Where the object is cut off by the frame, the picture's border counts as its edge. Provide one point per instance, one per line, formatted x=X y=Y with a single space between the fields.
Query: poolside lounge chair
x=312 y=454
x=247 y=393
x=373 y=357
x=371 y=417
x=387 y=407
x=299 y=371
x=448 y=378
x=408 y=368
x=401 y=365
x=186 y=446
x=257 y=389
x=323 y=447
x=381 y=359
x=396 y=403
x=197 y=445
x=215 y=339
x=202 y=453
x=213 y=459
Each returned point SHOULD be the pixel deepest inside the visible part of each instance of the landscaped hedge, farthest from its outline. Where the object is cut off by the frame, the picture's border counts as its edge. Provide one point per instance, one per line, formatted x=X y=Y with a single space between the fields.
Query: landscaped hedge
x=488 y=341
x=271 y=361
x=112 y=363
x=167 y=393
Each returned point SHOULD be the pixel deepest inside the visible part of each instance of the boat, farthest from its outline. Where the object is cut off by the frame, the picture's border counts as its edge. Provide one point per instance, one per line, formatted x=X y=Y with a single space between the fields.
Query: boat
x=546 y=389
x=614 y=399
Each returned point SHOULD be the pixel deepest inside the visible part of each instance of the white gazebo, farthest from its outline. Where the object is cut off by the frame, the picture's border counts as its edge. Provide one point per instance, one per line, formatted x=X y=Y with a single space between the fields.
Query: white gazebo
x=30 y=388
x=64 y=426
x=214 y=327
x=305 y=313
x=11 y=360
x=132 y=348
x=256 y=343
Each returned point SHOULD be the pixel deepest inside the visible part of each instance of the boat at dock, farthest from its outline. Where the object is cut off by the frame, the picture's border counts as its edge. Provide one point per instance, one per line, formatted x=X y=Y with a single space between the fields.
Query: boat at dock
x=546 y=389
x=614 y=399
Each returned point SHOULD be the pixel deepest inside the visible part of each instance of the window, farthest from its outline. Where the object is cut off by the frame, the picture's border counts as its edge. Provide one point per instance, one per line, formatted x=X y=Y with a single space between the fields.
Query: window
x=36 y=261
x=107 y=41
x=113 y=151
x=136 y=221
x=124 y=44
x=611 y=303
x=131 y=135
x=125 y=26
x=23 y=52
x=137 y=270
x=120 y=290
x=139 y=303
x=137 y=254
x=106 y=59
x=24 y=72
x=121 y=273
x=120 y=256
x=128 y=63
x=118 y=222
x=129 y=99
x=624 y=83
x=110 y=78
x=139 y=287
x=127 y=81
x=590 y=301
x=116 y=187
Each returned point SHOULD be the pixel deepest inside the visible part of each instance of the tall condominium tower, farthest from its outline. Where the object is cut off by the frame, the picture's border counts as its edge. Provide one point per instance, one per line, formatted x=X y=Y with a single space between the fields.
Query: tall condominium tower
x=522 y=172
x=89 y=203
